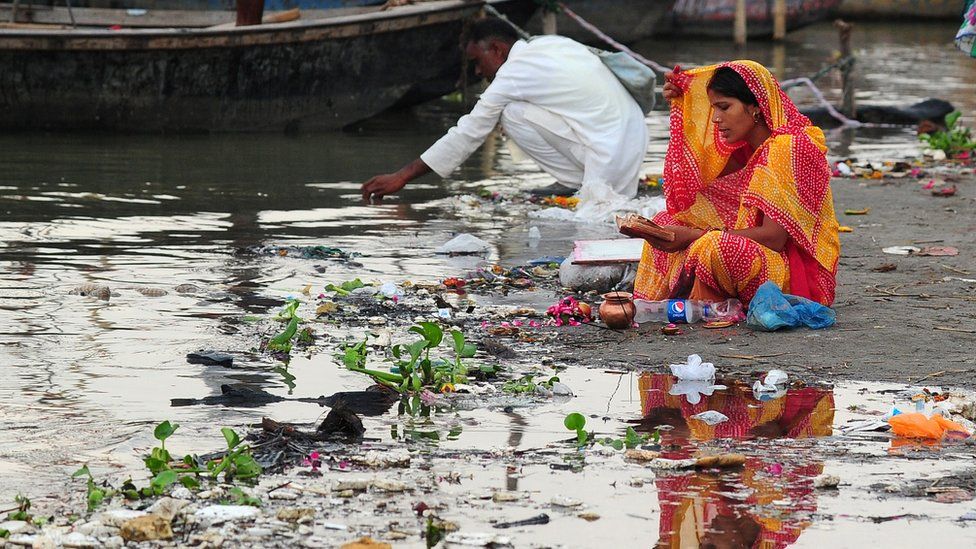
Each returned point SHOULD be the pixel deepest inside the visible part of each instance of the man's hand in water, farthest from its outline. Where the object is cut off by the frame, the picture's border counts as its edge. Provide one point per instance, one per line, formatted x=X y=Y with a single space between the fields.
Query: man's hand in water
x=382 y=185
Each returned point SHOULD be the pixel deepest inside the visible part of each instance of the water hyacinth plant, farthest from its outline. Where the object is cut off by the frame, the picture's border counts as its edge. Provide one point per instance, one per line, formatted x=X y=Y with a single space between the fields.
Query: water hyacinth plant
x=955 y=140
x=414 y=369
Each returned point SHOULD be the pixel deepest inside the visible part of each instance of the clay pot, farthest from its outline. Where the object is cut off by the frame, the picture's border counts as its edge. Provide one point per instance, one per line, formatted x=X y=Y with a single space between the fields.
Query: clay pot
x=617 y=310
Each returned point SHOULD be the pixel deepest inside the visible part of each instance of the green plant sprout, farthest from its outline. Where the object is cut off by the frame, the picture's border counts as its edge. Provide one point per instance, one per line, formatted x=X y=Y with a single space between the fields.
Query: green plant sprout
x=346 y=288
x=415 y=368
x=632 y=439
x=239 y=463
x=95 y=495
x=956 y=139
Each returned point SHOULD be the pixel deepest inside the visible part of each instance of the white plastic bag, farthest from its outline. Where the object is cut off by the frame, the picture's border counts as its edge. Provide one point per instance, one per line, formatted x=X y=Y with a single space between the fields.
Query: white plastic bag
x=711 y=417
x=773 y=386
x=464 y=243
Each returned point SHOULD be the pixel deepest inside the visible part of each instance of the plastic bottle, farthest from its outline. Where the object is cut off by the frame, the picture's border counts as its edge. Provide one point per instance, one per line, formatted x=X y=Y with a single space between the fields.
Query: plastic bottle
x=686 y=310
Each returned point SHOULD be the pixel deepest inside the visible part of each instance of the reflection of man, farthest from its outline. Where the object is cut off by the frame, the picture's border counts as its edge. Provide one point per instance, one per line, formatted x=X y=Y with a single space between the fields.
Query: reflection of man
x=556 y=100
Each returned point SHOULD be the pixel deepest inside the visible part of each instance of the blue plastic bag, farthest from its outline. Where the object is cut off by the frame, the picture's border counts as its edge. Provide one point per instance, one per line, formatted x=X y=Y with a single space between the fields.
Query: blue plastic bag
x=771 y=310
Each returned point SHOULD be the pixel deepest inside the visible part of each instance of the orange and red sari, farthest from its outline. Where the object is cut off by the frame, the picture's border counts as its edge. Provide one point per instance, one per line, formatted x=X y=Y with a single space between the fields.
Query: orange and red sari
x=787 y=179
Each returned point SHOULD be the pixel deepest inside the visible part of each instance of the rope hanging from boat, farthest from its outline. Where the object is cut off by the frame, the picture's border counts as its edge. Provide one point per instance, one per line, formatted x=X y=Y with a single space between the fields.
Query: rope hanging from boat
x=845 y=121
x=616 y=45
x=839 y=64
x=657 y=67
x=495 y=13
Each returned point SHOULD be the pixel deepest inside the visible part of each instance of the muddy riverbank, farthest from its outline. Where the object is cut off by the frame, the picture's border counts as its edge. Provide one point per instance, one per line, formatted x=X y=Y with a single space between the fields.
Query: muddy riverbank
x=899 y=318
x=498 y=467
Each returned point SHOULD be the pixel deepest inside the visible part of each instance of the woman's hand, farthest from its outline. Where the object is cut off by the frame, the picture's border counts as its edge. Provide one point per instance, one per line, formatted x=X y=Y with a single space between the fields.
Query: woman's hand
x=671 y=91
x=683 y=237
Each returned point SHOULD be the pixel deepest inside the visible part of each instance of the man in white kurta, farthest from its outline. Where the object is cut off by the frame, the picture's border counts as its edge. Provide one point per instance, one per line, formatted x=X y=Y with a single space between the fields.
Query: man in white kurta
x=556 y=100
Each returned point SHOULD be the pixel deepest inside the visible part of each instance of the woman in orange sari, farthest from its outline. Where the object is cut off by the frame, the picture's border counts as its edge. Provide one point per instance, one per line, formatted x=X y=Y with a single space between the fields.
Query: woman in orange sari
x=747 y=186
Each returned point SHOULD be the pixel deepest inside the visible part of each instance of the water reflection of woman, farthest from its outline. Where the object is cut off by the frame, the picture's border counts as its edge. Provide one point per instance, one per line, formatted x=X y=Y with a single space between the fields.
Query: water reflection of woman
x=735 y=509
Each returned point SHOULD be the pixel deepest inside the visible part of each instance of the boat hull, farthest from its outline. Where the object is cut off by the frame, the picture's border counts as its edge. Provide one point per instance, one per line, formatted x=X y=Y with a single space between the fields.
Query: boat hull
x=296 y=76
x=901 y=9
x=716 y=18
x=626 y=21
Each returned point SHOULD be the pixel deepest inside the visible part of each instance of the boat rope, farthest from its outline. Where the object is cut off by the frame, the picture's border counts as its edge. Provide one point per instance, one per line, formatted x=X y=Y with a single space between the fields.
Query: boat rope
x=845 y=121
x=71 y=13
x=657 y=67
x=494 y=12
x=839 y=64
x=606 y=38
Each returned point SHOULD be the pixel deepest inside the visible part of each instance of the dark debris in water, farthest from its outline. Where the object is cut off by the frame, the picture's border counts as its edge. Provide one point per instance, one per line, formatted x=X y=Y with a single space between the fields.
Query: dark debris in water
x=300 y=252
x=210 y=358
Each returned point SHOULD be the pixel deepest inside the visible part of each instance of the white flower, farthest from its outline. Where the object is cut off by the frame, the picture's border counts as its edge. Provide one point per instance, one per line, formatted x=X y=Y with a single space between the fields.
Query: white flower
x=694 y=389
x=694 y=370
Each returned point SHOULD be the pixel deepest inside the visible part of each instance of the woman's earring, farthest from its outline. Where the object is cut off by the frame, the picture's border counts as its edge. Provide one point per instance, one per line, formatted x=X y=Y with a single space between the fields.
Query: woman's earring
x=756 y=117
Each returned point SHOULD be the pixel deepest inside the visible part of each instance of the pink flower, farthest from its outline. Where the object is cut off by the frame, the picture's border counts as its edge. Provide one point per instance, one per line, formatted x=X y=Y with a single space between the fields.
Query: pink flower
x=517 y=323
x=775 y=469
x=428 y=397
x=929 y=185
x=314 y=460
x=535 y=324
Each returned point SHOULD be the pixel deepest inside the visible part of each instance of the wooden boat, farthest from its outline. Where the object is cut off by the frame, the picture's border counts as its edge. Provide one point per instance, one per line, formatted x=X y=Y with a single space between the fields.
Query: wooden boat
x=901 y=9
x=716 y=18
x=626 y=21
x=307 y=74
x=189 y=15
x=197 y=5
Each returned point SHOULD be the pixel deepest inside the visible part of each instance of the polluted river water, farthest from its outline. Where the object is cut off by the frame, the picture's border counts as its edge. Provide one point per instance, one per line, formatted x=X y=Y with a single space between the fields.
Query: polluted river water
x=86 y=380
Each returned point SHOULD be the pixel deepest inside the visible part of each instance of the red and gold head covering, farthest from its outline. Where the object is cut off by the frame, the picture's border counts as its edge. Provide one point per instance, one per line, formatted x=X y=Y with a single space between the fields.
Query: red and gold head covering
x=787 y=179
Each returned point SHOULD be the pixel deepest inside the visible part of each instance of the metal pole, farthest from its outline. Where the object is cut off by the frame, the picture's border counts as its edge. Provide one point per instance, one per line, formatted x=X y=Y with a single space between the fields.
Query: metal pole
x=848 y=106
x=779 y=19
x=740 y=23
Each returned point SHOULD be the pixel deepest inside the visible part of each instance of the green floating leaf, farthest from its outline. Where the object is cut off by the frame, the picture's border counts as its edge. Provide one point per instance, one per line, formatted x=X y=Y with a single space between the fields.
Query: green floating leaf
x=431 y=333
x=231 y=437
x=282 y=341
x=95 y=497
x=574 y=421
x=346 y=287
x=247 y=467
x=83 y=472
x=165 y=430
x=162 y=480
x=952 y=118
x=289 y=310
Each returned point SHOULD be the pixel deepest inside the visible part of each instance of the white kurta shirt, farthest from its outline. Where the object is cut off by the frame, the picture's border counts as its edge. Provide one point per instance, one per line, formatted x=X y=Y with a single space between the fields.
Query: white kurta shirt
x=565 y=78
